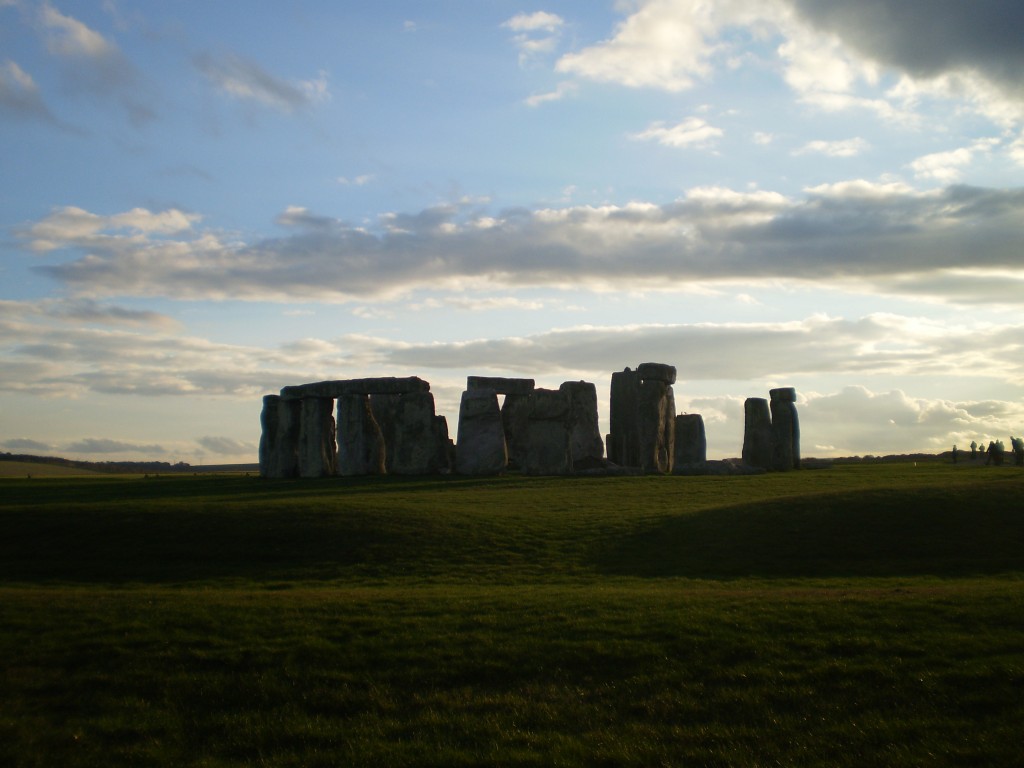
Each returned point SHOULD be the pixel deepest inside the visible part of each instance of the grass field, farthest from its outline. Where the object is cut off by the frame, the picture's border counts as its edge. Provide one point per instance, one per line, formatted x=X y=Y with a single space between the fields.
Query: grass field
x=850 y=616
x=28 y=469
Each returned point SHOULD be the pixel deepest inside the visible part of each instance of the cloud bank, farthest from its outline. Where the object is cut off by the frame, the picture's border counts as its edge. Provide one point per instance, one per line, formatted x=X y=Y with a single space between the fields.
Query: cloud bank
x=958 y=244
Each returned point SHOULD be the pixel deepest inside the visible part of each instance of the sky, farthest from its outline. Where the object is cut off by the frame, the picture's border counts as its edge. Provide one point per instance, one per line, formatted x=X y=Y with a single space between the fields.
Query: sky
x=204 y=202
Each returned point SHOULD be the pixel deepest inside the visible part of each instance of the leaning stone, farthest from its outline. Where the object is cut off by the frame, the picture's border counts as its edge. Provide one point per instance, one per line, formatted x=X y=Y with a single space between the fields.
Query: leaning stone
x=691 y=443
x=657 y=372
x=758 y=438
x=501 y=385
x=480 y=448
x=317 y=447
x=360 y=441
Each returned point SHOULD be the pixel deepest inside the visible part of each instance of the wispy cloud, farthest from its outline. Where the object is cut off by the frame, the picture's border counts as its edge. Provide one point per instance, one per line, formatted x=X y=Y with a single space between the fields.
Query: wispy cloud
x=837 y=148
x=246 y=80
x=692 y=132
x=94 y=66
x=535 y=34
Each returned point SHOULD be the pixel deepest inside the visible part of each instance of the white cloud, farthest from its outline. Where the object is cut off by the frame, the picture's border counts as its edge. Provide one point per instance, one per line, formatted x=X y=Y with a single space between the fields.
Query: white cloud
x=947 y=167
x=533 y=22
x=840 y=148
x=665 y=44
x=536 y=34
x=691 y=132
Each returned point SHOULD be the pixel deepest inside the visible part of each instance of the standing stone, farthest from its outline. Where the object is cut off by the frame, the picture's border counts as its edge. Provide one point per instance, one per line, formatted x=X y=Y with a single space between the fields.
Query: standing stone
x=360 y=441
x=785 y=430
x=480 y=448
x=410 y=432
x=642 y=418
x=585 y=444
x=317 y=448
x=623 y=438
x=548 y=433
x=268 y=432
x=279 y=441
x=656 y=425
x=515 y=420
x=445 y=445
x=691 y=442
x=758 y=438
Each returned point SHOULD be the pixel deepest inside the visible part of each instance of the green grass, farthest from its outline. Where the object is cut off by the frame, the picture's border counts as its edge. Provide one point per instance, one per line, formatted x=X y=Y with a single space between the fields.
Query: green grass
x=850 y=616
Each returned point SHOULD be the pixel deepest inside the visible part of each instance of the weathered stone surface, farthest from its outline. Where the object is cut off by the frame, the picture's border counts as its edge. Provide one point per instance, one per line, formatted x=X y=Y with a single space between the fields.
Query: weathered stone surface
x=411 y=433
x=501 y=385
x=268 y=432
x=548 y=432
x=317 y=447
x=360 y=441
x=785 y=430
x=642 y=419
x=480 y=448
x=585 y=444
x=515 y=419
x=386 y=385
x=691 y=443
x=623 y=439
x=758 y=438
x=279 y=440
x=656 y=424
x=657 y=372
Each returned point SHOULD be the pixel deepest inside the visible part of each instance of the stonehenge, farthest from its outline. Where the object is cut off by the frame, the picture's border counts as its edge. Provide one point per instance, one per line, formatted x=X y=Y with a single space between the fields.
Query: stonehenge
x=388 y=425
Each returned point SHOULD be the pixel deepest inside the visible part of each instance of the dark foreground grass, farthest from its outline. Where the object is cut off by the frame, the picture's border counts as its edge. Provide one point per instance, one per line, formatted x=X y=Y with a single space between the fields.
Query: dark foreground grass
x=861 y=615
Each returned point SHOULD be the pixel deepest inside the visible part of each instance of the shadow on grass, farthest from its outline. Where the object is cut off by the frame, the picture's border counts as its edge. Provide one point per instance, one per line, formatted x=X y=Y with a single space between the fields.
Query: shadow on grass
x=893 y=532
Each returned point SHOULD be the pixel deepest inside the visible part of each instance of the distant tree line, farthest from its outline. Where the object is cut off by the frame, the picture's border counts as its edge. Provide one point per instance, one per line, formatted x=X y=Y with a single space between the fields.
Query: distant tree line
x=131 y=467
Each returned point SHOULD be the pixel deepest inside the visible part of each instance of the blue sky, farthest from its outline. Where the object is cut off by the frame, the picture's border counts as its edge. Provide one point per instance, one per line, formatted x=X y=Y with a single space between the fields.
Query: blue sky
x=204 y=202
